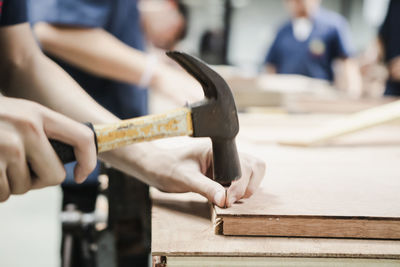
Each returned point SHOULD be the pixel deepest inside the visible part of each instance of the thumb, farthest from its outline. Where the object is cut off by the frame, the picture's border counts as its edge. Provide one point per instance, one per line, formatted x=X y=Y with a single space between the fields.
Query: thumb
x=208 y=188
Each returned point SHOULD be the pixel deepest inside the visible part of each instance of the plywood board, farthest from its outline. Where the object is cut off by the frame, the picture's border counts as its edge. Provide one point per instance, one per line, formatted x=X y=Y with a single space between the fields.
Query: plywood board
x=199 y=261
x=349 y=189
x=182 y=227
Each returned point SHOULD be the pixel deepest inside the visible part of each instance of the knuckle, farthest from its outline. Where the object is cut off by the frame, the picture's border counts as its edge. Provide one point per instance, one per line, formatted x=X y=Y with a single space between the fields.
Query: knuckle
x=35 y=107
x=30 y=126
x=14 y=148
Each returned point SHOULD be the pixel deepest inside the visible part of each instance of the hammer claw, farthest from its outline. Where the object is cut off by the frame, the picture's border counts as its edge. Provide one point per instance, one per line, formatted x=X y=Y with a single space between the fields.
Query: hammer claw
x=198 y=70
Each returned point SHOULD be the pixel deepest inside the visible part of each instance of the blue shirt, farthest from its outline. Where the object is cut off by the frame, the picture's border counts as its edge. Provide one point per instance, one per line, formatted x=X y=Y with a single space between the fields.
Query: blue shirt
x=12 y=12
x=118 y=17
x=329 y=39
x=121 y=19
x=389 y=33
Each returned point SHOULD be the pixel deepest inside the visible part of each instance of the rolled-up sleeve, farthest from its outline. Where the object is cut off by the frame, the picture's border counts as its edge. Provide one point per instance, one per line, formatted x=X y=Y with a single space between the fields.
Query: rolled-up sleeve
x=80 y=13
x=272 y=56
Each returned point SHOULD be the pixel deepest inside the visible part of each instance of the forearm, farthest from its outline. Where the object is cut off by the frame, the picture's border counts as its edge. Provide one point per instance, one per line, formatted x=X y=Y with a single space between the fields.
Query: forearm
x=113 y=59
x=352 y=78
x=41 y=80
x=109 y=57
x=33 y=76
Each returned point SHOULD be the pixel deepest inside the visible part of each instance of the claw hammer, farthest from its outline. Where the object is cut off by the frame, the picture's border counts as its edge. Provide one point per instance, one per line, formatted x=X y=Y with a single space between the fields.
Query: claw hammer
x=215 y=117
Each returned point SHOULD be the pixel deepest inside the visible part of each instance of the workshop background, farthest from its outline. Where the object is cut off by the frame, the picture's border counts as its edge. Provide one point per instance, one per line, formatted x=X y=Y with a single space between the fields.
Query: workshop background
x=30 y=226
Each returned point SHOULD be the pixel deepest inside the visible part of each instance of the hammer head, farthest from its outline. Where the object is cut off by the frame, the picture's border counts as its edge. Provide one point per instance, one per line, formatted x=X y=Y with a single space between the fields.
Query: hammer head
x=215 y=117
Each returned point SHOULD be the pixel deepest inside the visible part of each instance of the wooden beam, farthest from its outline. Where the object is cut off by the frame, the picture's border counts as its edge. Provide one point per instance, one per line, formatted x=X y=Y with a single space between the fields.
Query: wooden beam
x=349 y=124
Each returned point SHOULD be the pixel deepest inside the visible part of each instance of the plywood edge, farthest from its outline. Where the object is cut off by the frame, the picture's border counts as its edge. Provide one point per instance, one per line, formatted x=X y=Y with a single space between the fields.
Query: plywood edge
x=217 y=221
x=312 y=226
x=376 y=255
x=175 y=261
x=221 y=214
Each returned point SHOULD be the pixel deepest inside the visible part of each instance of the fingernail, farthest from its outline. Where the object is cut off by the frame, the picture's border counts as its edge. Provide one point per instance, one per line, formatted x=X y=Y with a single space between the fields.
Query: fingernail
x=218 y=197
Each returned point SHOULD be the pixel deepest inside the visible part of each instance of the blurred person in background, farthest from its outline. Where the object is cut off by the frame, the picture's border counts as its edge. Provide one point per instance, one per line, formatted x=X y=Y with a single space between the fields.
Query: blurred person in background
x=311 y=42
x=102 y=44
x=387 y=49
x=164 y=22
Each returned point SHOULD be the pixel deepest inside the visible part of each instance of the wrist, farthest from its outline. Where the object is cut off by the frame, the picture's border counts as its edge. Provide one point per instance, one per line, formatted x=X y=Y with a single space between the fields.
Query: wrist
x=131 y=160
x=149 y=72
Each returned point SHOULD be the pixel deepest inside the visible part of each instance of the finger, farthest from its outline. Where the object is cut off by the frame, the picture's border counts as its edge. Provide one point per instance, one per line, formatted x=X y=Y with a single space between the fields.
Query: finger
x=77 y=135
x=256 y=178
x=4 y=186
x=18 y=174
x=238 y=188
x=44 y=162
x=208 y=188
x=253 y=171
x=14 y=163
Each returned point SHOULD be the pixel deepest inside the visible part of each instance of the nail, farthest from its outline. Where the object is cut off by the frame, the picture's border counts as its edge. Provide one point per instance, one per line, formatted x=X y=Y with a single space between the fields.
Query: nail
x=218 y=197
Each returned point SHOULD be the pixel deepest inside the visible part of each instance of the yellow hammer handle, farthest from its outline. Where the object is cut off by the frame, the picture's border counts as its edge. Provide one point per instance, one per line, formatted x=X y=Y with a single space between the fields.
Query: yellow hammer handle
x=174 y=123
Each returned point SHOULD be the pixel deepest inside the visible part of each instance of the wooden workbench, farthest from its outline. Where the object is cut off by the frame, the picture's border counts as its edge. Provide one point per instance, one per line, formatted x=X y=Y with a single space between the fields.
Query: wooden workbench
x=182 y=228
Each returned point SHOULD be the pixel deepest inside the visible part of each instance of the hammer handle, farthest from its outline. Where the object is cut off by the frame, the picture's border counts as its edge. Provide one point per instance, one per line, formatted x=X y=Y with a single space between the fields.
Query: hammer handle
x=111 y=136
x=173 y=123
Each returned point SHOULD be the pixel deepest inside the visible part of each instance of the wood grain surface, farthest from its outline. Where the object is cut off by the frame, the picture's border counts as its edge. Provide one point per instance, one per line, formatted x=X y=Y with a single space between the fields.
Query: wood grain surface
x=348 y=189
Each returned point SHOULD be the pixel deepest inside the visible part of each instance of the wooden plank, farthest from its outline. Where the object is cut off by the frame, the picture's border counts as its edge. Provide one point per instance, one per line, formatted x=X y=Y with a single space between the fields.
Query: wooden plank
x=332 y=104
x=349 y=124
x=182 y=227
x=344 y=190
